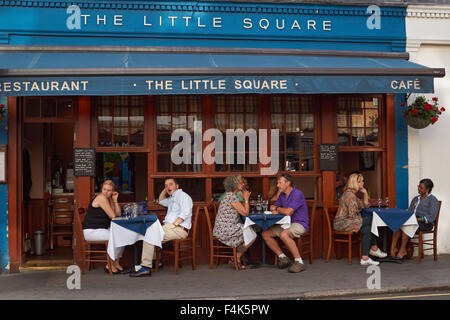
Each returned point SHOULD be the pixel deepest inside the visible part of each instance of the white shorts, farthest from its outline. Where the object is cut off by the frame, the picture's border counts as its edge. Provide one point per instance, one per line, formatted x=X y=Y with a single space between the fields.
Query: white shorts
x=100 y=235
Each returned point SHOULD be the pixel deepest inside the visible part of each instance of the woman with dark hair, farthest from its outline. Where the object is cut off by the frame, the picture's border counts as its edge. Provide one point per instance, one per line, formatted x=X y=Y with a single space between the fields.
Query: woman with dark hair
x=425 y=206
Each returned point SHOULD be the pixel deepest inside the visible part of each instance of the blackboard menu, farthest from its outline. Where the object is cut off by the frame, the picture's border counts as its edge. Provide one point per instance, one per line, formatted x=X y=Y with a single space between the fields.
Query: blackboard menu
x=84 y=162
x=328 y=157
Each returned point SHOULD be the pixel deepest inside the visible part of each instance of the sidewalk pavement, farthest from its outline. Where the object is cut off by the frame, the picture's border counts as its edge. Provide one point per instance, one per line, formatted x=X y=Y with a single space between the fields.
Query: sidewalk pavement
x=320 y=280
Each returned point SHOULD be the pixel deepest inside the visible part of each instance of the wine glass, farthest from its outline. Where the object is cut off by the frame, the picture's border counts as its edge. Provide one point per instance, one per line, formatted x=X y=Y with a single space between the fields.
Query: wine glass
x=387 y=202
x=380 y=202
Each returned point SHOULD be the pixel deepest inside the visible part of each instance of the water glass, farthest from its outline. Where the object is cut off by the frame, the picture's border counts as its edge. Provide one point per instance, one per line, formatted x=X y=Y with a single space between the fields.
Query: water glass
x=387 y=202
x=380 y=202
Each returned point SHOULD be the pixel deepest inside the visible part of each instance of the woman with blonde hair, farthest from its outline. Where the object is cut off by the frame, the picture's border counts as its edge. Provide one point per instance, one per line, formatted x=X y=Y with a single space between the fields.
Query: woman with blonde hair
x=348 y=218
x=101 y=210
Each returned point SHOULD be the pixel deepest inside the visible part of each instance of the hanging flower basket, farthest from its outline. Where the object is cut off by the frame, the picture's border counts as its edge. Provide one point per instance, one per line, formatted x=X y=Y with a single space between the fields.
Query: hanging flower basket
x=416 y=122
x=421 y=113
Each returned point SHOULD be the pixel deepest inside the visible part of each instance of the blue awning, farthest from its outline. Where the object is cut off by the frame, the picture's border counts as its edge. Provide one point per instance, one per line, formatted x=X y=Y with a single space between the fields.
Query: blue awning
x=175 y=71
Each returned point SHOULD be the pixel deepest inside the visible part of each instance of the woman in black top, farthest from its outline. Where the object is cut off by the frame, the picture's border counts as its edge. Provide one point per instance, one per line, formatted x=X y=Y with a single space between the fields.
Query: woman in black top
x=425 y=206
x=101 y=210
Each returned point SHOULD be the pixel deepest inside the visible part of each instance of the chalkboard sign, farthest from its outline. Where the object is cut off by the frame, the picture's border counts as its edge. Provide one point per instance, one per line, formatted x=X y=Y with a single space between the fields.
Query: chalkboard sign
x=84 y=162
x=328 y=157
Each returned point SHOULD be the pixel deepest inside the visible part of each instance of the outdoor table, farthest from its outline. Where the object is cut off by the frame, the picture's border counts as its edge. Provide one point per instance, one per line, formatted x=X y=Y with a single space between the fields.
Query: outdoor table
x=265 y=221
x=393 y=218
x=127 y=231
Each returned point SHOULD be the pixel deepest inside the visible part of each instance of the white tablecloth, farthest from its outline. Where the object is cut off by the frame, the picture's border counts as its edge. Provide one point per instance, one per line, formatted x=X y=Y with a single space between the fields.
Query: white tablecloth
x=120 y=237
x=409 y=227
x=250 y=234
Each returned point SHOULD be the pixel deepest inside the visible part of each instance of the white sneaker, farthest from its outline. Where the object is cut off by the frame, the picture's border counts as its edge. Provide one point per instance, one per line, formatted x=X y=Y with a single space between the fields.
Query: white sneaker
x=369 y=262
x=378 y=253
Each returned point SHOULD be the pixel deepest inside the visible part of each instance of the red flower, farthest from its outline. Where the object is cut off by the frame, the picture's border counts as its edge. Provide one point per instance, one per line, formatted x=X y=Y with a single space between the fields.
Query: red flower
x=2 y=106
x=435 y=99
x=434 y=119
x=442 y=109
x=414 y=112
x=402 y=104
x=427 y=106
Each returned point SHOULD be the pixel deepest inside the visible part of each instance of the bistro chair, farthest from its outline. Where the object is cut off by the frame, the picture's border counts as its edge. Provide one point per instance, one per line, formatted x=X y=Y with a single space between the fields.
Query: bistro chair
x=218 y=250
x=305 y=240
x=87 y=252
x=61 y=219
x=181 y=249
x=348 y=238
x=429 y=242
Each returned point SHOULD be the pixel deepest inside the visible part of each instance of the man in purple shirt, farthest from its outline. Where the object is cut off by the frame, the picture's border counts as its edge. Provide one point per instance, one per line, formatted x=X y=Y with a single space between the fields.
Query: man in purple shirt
x=291 y=202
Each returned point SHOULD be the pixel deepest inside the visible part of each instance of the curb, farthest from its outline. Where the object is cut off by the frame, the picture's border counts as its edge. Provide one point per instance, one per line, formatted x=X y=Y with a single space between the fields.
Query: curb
x=334 y=293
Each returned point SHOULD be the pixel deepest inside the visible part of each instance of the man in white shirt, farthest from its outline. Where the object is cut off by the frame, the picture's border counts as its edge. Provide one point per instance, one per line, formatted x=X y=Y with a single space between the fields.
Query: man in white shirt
x=176 y=224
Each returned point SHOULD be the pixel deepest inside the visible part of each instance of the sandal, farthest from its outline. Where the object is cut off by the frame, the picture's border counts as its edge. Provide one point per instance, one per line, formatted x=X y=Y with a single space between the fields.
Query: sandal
x=240 y=265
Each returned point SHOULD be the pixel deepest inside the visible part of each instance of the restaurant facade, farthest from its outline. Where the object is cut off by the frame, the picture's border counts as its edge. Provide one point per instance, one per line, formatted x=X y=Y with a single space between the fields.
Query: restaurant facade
x=316 y=90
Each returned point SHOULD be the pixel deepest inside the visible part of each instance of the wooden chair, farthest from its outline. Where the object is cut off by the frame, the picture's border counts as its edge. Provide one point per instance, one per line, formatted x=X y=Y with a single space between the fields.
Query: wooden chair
x=429 y=242
x=305 y=240
x=88 y=252
x=218 y=250
x=61 y=219
x=182 y=249
x=348 y=238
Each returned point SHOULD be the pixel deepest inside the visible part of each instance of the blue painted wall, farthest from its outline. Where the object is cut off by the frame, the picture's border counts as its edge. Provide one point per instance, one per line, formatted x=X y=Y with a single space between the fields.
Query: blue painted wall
x=46 y=23
x=4 y=256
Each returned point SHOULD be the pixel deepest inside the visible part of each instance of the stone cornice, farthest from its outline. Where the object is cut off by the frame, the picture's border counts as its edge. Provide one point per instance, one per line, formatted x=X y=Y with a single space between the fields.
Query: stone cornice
x=266 y=8
x=428 y=12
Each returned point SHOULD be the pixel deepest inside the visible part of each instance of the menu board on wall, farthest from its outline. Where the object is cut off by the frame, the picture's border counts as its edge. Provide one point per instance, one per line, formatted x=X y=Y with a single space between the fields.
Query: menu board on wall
x=328 y=157
x=84 y=162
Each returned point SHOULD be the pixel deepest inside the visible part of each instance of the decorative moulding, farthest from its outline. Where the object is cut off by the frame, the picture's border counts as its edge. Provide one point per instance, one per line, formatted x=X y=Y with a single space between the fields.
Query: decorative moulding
x=433 y=12
x=329 y=10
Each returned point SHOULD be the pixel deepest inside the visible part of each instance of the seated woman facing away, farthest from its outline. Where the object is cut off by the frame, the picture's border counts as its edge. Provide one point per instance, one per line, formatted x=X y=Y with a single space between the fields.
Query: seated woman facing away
x=228 y=225
x=96 y=224
x=426 y=207
x=348 y=218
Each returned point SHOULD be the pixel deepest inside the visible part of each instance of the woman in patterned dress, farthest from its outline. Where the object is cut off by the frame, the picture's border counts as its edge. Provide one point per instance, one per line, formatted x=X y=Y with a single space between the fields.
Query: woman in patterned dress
x=348 y=218
x=228 y=226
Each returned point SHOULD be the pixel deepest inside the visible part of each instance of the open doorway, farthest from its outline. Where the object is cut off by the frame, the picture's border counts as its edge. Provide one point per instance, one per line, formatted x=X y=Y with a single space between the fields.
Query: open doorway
x=48 y=198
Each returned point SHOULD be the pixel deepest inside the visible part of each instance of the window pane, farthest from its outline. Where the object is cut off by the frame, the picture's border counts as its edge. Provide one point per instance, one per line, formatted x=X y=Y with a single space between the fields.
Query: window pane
x=358 y=120
x=251 y=121
x=137 y=137
x=236 y=121
x=163 y=142
x=164 y=162
x=136 y=117
x=163 y=104
x=372 y=136
x=344 y=136
x=307 y=121
x=163 y=122
x=33 y=107
x=120 y=116
x=194 y=119
x=277 y=121
x=342 y=118
x=104 y=136
x=358 y=137
x=307 y=140
x=371 y=117
x=307 y=162
x=292 y=162
x=121 y=137
x=49 y=108
x=277 y=105
x=105 y=116
x=179 y=122
x=292 y=123
x=292 y=143
x=65 y=108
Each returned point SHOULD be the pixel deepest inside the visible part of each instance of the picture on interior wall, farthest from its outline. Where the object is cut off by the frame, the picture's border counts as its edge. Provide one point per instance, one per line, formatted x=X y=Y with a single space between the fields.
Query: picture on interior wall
x=366 y=160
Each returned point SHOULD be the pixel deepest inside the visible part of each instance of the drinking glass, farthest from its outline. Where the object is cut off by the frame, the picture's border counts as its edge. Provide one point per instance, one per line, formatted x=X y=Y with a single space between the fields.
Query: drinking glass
x=387 y=202
x=380 y=202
